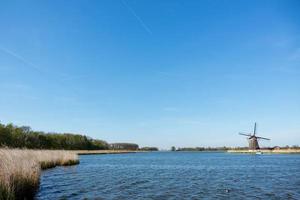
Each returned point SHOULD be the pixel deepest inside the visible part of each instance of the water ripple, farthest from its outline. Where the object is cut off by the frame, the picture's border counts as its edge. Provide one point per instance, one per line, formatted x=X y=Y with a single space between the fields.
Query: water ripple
x=177 y=175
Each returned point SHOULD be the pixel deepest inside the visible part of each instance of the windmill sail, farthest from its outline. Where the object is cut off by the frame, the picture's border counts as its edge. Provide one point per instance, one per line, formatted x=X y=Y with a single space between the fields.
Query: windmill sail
x=263 y=138
x=253 y=139
x=246 y=134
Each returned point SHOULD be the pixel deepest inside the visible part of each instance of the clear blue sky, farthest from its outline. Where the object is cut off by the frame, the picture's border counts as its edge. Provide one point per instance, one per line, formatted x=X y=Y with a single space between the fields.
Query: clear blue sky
x=158 y=73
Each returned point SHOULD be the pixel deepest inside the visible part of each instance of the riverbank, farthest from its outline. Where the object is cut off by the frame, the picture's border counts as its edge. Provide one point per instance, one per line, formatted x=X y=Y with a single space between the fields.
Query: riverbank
x=267 y=151
x=20 y=170
x=91 y=152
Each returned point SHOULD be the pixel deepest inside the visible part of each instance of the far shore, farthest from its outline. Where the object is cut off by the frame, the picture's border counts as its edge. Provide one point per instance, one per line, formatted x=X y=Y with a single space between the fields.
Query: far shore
x=90 y=152
x=267 y=151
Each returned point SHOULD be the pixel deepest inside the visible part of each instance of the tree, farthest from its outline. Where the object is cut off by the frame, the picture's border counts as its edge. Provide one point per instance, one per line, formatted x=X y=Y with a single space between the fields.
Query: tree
x=25 y=137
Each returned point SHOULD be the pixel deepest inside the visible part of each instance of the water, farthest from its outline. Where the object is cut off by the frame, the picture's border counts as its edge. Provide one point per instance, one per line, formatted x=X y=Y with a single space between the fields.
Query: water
x=175 y=175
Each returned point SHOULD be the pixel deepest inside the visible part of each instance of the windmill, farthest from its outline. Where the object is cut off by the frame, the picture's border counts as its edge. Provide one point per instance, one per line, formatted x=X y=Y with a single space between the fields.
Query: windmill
x=253 y=139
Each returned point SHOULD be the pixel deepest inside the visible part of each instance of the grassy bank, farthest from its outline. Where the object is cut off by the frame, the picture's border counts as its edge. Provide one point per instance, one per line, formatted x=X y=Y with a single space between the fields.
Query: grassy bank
x=20 y=170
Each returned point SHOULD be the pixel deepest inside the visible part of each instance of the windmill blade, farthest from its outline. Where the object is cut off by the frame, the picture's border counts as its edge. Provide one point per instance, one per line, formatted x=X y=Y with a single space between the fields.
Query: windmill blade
x=263 y=138
x=246 y=134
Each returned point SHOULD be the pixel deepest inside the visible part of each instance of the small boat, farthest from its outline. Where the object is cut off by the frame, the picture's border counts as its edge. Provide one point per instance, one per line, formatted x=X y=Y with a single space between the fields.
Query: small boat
x=258 y=153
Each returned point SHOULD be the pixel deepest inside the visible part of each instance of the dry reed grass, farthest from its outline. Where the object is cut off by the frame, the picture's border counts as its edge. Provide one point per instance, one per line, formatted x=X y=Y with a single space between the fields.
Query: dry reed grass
x=20 y=170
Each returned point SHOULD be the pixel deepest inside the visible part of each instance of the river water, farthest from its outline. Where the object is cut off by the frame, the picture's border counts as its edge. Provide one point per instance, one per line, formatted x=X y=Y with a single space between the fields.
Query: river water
x=175 y=175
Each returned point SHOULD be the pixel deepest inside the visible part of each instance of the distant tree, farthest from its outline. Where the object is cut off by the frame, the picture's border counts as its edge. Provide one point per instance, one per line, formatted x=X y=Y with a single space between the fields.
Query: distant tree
x=100 y=144
x=24 y=137
x=6 y=138
x=124 y=146
x=173 y=148
x=149 y=149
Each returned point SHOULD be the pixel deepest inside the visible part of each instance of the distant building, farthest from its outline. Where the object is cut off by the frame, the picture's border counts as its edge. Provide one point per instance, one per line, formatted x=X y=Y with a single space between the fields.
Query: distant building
x=124 y=146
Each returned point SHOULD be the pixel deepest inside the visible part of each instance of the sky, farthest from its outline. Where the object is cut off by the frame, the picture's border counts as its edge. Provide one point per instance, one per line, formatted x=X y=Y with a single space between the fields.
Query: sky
x=157 y=73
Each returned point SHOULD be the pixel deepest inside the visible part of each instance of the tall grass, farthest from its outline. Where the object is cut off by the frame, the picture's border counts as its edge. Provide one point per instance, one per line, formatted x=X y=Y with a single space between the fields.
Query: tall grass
x=20 y=170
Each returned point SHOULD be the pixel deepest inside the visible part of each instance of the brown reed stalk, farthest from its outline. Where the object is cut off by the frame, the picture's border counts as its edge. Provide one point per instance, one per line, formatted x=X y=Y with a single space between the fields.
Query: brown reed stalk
x=20 y=170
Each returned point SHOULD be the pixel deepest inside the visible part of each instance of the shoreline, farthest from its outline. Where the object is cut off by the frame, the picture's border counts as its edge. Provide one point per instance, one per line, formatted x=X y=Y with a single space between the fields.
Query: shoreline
x=101 y=152
x=267 y=151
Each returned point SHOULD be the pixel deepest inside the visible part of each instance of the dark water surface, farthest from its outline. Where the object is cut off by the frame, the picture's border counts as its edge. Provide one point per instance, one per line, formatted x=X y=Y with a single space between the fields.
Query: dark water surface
x=175 y=175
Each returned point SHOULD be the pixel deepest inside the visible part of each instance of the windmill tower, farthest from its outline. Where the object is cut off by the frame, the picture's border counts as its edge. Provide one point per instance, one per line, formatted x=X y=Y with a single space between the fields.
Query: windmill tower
x=253 y=139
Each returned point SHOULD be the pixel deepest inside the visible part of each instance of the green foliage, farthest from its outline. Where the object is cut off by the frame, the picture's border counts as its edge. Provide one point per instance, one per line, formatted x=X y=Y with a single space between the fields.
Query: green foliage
x=23 y=137
x=124 y=146
x=149 y=149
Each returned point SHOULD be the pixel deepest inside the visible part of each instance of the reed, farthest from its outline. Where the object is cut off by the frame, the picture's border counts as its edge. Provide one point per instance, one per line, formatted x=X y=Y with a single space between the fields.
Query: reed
x=20 y=170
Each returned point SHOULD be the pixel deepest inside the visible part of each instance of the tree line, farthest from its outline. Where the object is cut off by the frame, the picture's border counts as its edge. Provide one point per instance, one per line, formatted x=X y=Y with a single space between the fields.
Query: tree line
x=149 y=149
x=24 y=137
x=200 y=149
